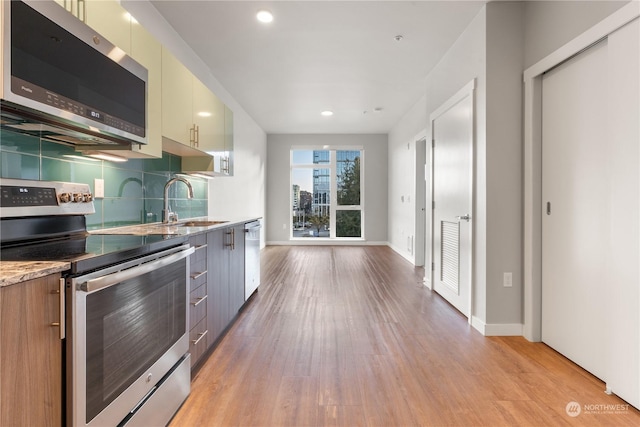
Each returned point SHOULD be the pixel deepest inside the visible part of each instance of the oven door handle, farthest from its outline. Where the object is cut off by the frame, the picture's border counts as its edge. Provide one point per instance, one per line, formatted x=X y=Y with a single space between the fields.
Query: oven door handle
x=115 y=278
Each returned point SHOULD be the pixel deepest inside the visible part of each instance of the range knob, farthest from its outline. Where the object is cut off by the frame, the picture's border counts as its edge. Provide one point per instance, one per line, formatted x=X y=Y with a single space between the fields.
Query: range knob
x=88 y=197
x=78 y=197
x=65 y=197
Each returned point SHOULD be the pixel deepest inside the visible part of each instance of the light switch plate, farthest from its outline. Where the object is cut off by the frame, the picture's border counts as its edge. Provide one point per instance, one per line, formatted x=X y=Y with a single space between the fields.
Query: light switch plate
x=98 y=188
x=507 y=280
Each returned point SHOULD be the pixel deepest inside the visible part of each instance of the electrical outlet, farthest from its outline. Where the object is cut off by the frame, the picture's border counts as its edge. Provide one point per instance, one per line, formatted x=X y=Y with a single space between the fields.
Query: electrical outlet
x=98 y=188
x=507 y=280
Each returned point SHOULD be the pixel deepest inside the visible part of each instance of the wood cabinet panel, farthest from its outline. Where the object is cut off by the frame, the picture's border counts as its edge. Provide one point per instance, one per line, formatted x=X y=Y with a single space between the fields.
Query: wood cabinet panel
x=30 y=354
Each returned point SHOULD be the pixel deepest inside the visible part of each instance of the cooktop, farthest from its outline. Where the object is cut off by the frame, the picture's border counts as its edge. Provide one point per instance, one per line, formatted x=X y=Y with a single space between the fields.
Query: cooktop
x=90 y=252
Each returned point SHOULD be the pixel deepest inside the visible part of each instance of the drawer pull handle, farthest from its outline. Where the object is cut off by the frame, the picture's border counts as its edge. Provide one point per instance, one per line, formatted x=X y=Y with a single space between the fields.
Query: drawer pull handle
x=200 y=336
x=195 y=304
x=196 y=275
x=198 y=247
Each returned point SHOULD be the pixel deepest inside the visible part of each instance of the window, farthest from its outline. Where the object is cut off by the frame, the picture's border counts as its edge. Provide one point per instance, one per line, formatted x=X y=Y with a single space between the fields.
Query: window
x=326 y=195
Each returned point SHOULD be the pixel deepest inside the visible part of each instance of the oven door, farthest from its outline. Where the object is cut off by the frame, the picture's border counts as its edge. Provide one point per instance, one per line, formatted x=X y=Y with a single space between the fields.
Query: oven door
x=129 y=329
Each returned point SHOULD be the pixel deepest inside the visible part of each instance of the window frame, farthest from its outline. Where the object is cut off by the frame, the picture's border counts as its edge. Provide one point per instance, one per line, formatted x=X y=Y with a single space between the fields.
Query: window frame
x=333 y=189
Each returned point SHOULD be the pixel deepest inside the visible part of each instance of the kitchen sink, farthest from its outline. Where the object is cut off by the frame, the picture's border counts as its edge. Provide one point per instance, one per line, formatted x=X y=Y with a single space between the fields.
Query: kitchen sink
x=200 y=223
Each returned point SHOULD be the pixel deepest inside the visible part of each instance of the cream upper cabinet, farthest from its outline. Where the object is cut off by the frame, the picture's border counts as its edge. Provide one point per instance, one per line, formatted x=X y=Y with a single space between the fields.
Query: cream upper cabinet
x=76 y=7
x=177 y=100
x=148 y=52
x=191 y=114
x=208 y=116
x=110 y=20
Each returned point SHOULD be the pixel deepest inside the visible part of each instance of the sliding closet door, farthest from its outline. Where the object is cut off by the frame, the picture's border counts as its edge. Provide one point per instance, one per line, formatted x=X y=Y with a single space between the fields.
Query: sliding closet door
x=623 y=313
x=575 y=223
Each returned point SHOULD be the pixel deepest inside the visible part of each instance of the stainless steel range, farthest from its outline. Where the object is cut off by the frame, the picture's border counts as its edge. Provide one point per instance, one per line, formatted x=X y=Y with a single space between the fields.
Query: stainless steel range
x=127 y=360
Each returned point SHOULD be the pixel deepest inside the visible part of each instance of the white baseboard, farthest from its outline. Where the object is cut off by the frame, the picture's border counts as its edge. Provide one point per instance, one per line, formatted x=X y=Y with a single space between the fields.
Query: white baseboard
x=401 y=253
x=325 y=242
x=497 y=329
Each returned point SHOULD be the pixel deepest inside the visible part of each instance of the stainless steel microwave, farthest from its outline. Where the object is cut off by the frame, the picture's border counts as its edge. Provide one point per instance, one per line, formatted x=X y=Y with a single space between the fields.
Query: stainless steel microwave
x=58 y=73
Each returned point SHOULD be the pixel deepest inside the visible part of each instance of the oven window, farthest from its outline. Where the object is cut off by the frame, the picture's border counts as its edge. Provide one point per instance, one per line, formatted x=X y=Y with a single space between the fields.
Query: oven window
x=129 y=326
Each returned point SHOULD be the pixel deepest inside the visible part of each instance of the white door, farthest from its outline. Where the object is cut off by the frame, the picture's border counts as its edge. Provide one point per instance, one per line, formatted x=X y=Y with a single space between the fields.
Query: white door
x=452 y=157
x=421 y=203
x=575 y=221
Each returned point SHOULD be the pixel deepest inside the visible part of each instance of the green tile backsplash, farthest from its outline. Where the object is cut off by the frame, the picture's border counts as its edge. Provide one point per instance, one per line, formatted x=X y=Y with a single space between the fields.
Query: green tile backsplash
x=133 y=190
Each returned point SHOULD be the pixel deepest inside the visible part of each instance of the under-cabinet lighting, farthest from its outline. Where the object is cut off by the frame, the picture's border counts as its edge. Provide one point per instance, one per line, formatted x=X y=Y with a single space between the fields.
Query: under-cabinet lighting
x=201 y=175
x=72 y=156
x=105 y=156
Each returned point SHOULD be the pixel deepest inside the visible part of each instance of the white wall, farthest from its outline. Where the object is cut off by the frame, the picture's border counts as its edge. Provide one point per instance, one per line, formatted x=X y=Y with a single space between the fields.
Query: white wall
x=402 y=185
x=465 y=61
x=244 y=193
x=551 y=24
x=504 y=179
x=279 y=182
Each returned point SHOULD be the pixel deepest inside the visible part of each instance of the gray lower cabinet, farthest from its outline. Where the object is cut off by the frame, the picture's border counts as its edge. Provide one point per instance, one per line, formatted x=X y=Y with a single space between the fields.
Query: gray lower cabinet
x=199 y=335
x=226 y=277
x=216 y=288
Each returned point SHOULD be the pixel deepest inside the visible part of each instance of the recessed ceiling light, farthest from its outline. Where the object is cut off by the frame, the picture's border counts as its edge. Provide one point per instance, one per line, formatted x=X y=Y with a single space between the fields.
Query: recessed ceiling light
x=327 y=113
x=264 y=16
x=398 y=38
x=204 y=114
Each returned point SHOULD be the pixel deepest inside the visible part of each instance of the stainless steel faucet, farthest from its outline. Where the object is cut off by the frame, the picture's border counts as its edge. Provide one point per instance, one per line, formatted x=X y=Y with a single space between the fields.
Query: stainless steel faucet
x=167 y=215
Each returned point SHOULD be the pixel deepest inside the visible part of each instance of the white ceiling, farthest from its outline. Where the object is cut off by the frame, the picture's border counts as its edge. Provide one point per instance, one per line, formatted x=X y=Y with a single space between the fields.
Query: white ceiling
x=321 y=55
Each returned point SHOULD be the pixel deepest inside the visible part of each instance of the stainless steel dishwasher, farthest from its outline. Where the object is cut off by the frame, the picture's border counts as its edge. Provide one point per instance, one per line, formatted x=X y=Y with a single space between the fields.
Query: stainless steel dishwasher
x=251 y=257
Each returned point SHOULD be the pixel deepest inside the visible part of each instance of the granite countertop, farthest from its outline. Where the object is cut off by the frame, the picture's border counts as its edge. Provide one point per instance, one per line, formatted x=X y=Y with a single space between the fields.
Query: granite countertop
x=12 y=272
x=180 y=228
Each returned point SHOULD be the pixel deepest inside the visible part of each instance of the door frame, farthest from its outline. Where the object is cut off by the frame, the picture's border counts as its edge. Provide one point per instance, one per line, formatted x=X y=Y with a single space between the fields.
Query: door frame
x=532 y=327
x=467 y=90
x=420 y=198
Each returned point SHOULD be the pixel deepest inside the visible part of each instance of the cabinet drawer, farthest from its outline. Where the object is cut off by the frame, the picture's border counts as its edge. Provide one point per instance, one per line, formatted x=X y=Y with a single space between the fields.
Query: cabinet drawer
x=197 y=305
x=198 y=277
x=198 y=341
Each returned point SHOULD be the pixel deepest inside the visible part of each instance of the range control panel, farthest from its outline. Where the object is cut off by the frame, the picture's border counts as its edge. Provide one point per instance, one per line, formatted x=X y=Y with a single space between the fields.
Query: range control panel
x=26 y=198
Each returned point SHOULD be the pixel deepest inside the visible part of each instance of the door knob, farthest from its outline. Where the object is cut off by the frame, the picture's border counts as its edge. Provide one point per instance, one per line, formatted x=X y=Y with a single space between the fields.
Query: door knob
x=466 y=217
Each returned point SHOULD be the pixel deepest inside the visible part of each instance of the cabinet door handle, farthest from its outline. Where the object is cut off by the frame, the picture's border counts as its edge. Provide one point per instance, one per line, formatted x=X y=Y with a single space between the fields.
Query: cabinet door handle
x=196 y=275
x=201 y=335
x=197 y=135
x=192 y=135
x=200 y=299
x=233 y=239
x=61 y=302
x=228 y=242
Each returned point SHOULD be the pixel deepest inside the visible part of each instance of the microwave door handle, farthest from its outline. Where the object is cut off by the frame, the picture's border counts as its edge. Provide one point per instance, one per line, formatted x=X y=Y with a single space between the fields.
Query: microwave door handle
x=115 y=278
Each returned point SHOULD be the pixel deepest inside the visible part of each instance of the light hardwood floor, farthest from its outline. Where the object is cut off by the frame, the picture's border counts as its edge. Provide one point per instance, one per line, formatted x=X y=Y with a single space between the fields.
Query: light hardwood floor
x=349 y=336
